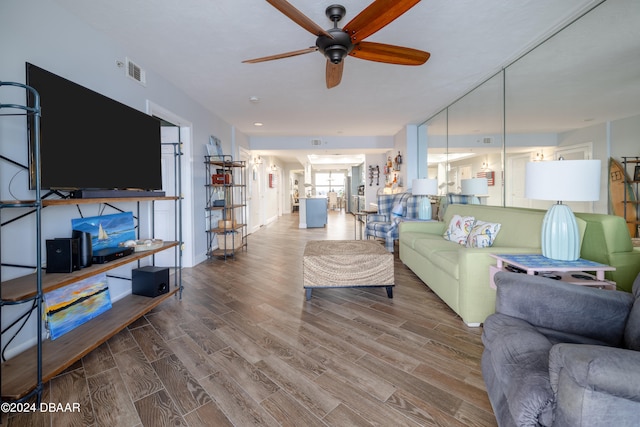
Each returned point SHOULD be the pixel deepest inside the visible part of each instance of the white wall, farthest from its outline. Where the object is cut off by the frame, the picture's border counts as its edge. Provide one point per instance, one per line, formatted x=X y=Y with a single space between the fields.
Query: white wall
x=610 y=139
x=47 y=35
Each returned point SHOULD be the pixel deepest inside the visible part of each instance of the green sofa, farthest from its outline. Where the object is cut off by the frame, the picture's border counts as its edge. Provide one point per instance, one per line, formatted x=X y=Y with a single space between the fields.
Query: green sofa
x=460 y=275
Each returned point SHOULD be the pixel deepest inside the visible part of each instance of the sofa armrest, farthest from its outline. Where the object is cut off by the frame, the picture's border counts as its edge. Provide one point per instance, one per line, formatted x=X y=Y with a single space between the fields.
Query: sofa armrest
x=546 y=303
x=595 y=385
x=627 y=268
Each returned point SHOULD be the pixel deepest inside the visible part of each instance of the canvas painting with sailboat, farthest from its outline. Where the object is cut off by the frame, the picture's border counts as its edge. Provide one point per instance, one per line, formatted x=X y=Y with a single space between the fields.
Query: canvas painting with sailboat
x=107 y=231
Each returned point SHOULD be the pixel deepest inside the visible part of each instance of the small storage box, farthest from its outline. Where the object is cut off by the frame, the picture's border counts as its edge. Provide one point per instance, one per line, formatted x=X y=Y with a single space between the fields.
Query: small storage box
x=217 y=178
x=218 y=203
x=229 y=241
x=226 y=223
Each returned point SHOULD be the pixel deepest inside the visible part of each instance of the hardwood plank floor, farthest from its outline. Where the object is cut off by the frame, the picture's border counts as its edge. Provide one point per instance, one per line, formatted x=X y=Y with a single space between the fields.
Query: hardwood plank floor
x=244 y=347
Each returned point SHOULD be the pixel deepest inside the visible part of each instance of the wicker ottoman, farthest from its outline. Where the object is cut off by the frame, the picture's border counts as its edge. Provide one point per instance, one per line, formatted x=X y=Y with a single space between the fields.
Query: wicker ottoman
x=346 y=264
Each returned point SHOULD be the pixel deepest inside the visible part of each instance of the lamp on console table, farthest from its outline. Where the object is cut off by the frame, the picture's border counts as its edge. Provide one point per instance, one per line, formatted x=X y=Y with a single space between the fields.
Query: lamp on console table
x=562 y=180
x=424 y=187
x=474 y=187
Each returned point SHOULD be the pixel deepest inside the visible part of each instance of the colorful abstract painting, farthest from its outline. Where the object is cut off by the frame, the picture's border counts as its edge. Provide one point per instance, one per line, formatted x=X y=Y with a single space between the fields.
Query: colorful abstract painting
x=69 y=307
x=107 y=231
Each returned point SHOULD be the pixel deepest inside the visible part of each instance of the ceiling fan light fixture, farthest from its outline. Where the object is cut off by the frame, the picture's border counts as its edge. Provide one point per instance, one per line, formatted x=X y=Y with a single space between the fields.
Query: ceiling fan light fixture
x=335 y=53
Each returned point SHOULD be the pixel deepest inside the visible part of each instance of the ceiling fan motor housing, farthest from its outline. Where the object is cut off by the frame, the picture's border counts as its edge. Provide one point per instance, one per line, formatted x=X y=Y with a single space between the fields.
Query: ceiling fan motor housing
x=336 y=48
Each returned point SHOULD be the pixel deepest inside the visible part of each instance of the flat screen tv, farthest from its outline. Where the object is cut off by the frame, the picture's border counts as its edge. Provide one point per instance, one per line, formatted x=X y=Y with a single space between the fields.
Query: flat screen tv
x=89 y=141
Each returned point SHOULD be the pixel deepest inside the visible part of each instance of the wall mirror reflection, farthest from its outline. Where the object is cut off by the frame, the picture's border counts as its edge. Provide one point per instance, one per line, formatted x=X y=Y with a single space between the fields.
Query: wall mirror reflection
x=576 y=96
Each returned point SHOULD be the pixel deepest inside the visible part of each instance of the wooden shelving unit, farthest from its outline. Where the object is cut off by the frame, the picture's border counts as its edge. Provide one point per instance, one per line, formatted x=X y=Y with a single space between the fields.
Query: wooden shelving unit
x=234 y=210
x=24 y=287
x=19 y=374
x=23 y=376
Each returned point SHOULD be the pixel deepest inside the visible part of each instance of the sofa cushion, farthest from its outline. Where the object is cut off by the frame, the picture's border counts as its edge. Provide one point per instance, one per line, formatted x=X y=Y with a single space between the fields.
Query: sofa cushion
x=447 y=261
x=482 y=234
x=632 y=328
x=428 y=244
x=458 y=229
x=520 y=361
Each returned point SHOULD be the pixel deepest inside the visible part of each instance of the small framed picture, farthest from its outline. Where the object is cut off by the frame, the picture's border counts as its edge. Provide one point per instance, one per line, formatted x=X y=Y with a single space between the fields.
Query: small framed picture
x=636 y=173
x=214 y=147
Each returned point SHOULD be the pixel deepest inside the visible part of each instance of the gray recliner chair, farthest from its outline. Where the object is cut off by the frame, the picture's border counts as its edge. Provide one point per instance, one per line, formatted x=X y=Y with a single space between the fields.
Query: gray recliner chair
x=558 y=354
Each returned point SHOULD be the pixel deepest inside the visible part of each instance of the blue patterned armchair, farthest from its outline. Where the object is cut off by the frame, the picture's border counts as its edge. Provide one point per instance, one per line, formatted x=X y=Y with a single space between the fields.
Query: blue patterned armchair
x=384 y=224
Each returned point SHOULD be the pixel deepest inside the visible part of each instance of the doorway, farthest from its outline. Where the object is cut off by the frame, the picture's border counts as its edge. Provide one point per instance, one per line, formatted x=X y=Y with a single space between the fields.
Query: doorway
x=176 y=134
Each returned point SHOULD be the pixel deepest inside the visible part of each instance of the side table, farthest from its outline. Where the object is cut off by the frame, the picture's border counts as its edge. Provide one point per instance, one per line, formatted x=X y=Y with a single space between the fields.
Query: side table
x=360 y=218
x=566 y=271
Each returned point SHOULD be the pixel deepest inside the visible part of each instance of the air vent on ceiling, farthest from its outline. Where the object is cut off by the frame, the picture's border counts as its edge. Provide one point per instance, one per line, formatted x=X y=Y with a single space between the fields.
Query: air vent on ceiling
x=316 y=142
x=135 y=72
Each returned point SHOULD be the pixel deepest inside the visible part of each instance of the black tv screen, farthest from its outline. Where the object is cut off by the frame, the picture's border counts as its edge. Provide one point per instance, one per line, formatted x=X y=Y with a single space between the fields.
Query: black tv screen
x=89 y=141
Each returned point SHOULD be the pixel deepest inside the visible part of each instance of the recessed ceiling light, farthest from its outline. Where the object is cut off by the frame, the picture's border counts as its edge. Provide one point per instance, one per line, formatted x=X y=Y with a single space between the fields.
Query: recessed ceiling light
x=258 y=124
x=254 y=99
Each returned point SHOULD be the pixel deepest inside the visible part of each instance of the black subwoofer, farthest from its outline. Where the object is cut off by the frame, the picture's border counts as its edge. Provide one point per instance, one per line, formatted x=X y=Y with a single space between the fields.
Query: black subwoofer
x=150 y=281
x=63 y=255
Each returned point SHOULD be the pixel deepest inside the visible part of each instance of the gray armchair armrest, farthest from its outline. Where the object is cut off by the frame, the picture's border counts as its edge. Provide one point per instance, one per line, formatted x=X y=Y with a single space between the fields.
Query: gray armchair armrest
x=574 y=310
x=595 y=385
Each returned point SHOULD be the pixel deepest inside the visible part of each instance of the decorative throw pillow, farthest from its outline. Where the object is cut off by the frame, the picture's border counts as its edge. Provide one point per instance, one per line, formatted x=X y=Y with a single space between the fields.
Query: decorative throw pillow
x=459 y=228
x=482 y=234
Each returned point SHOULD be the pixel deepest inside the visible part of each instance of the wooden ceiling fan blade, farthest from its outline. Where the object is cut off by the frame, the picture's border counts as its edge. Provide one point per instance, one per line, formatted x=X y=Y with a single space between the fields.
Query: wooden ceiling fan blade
x=298 y=17
x=334 y=73
x=389 y=54
x=376 y=16
x=281 y=55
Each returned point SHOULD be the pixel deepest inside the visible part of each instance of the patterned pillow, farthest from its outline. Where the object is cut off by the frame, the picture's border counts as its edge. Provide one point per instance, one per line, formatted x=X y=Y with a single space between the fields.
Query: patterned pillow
x=459 y=229
x=482 y=234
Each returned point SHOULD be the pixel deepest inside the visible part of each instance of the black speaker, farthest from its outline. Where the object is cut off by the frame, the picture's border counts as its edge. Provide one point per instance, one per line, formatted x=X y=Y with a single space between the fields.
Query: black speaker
x=63 y=255
x=85 y=247
x=150 y=281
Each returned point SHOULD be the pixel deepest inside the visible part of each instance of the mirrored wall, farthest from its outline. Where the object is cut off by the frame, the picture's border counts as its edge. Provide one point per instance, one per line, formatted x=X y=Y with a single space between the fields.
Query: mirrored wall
x=576 y=95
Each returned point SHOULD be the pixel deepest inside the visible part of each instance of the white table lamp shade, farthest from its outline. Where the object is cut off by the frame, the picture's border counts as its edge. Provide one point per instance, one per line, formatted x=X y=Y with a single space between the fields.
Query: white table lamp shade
x=474 y=186
x=424 y=187
x=562 y=180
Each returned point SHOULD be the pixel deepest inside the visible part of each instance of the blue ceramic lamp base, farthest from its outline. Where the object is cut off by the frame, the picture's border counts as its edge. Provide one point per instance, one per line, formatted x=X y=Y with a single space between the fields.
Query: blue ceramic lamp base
x=560 y=237
x=424 y=209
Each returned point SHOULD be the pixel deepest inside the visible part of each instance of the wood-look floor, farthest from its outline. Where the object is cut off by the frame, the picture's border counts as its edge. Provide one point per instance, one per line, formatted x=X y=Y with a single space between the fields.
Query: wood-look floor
x=244 y=347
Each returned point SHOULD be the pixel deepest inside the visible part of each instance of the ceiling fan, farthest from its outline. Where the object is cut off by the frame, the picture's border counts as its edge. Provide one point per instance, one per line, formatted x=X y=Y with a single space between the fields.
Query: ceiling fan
x=336 y=43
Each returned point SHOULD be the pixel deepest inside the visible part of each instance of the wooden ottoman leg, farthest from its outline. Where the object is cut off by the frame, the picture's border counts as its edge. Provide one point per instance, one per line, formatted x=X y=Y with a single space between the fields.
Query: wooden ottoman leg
x=389 y=291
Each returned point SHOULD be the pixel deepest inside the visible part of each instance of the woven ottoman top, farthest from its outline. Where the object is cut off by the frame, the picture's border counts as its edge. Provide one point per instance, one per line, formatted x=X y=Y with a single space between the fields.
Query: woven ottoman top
x=346 y=263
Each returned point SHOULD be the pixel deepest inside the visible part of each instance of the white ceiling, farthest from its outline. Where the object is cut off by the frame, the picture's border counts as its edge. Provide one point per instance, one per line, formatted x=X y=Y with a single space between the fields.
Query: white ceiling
x=199 y=45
